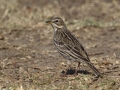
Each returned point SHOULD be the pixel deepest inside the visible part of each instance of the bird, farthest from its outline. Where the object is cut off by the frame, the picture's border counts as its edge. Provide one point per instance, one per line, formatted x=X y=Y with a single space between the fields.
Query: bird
x=68 y=45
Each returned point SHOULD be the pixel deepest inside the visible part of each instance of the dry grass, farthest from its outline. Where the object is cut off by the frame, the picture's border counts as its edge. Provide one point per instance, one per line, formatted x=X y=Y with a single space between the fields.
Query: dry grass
x=28 y=58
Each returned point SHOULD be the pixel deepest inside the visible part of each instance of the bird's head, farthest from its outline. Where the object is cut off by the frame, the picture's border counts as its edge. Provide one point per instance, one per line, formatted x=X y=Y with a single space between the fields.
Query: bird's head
x=56 y=22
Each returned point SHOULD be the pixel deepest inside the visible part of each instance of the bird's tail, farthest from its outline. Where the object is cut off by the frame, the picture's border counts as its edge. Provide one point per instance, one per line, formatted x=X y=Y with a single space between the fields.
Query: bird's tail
x=97 y=73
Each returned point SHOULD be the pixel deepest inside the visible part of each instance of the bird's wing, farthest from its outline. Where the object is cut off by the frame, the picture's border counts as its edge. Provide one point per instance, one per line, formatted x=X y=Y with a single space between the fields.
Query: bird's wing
x=71 y=48
x=75 y=47
x=77 y=52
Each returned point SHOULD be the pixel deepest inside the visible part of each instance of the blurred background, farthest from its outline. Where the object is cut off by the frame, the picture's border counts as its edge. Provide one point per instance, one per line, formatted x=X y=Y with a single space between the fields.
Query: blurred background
x=27 y=13
x=28 y=58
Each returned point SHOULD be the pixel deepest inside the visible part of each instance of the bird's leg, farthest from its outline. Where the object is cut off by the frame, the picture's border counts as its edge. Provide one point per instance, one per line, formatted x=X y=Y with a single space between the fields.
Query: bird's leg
x=77 y=68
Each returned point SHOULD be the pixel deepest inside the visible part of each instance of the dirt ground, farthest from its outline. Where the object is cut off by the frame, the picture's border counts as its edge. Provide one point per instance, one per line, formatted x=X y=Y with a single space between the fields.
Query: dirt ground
x=28 y=58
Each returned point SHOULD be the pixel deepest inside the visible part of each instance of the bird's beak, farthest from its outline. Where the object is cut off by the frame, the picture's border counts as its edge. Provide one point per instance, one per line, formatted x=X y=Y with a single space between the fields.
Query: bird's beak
x=48 y=21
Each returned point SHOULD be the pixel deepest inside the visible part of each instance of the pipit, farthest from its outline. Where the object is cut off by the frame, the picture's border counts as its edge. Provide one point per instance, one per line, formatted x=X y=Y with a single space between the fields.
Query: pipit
x=68 y=45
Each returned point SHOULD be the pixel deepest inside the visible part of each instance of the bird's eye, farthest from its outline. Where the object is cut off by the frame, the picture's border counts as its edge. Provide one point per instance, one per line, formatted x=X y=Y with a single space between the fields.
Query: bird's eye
x=56 y=20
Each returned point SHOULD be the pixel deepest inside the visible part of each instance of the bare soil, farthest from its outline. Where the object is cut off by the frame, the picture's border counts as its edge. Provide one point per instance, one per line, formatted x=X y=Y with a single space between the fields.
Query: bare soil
x=28 y=58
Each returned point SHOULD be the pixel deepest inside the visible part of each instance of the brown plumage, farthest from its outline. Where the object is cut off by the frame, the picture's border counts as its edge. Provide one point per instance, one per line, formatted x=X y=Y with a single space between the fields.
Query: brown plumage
x=68 y=45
